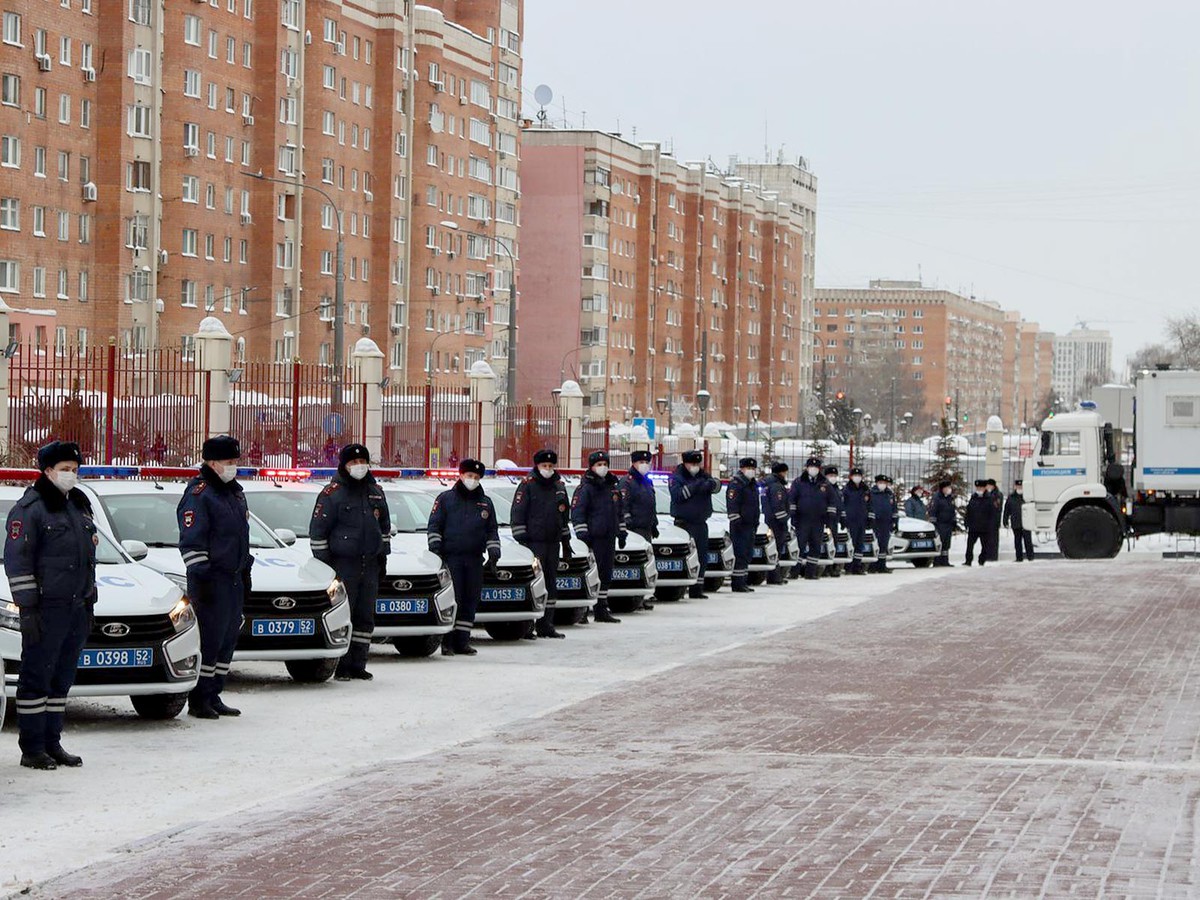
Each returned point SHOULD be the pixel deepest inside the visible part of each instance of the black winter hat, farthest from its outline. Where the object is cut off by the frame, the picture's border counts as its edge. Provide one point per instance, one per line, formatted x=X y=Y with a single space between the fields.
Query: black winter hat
x=991 y=482
x=884 y=478
x=980 y=482
x=221 y=447
x=353 y=451
x=640 y=456
x=945 y=484
x=597 y=456
x=693 y=456
x=545 y=456
x=778 y=468
x=58 y=451
x=471 y=467
x=747 y=462
x=1018 y=483
x=831 y=470
x=813 y=461
x=856 y=471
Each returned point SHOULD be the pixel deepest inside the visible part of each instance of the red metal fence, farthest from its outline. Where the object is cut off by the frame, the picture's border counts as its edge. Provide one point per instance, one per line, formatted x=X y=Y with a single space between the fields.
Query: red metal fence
x=524 y=429
x=597 y=436
x=120 y=408
x=435 y=428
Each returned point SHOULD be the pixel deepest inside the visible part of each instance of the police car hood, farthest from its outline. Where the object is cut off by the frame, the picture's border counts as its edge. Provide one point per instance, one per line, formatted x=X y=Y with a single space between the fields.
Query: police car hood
x=669 y=533
x=908 y=524
x=410 y=555
x=718 y=524
x=126 y=589
x=275 y=568
x=578 y=547
x=512 y=553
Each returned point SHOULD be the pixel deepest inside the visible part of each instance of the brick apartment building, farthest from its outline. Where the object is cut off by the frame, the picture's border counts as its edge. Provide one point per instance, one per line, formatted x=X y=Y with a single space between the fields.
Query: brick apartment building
x=988 y=361
x=648 y=278
x=128 y=130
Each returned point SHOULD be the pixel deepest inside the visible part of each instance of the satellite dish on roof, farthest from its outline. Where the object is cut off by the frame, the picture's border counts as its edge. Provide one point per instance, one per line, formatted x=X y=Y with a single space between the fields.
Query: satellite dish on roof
x=543 y=95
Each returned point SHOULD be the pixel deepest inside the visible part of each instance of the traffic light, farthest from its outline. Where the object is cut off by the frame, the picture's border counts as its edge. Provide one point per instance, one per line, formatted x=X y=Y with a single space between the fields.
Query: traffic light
x=948 y=400
x=966 y=417
x=840 y=395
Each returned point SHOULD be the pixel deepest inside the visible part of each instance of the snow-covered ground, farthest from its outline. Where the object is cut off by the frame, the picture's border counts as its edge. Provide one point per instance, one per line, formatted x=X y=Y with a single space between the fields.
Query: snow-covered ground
x=142 y=779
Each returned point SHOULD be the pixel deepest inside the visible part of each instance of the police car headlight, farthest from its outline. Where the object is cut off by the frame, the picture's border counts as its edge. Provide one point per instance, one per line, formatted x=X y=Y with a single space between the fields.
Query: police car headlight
x=537 y=566
x=10 y=615
x=183 y=616
x=180 y=581
x=336 y=592
x=443 y=576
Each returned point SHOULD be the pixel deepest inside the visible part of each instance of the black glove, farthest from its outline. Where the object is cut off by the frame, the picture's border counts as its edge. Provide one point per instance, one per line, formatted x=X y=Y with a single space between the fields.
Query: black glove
x=493 y=561
x=566 y=550
x=621 y=540
x=31 y=624
x=654 y=533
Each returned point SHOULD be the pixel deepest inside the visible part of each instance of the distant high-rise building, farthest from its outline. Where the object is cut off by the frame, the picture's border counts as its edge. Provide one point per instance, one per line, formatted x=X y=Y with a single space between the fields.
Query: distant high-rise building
x=1082 y=360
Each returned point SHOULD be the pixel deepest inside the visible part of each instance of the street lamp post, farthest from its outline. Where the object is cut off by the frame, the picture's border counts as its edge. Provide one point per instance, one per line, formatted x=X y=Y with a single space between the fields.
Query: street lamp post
x=703 y=399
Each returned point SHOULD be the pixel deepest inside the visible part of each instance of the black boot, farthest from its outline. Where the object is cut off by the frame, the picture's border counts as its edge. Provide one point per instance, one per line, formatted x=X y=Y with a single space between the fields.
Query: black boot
x=545 y=629
x=603 y=615
x=221 y=708
x=696 y=592
x=810 y=572
x=63 y=758
x=447 y=646
x=38 y=761
x=202 y=709
x=740 y=586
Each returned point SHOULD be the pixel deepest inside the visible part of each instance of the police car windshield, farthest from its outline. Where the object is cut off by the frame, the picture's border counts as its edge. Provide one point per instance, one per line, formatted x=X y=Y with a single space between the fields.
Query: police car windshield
x=409 y=510
x=150 y=518
x=107 y=553
x=662 y=500
x=501 y=494
x=283 y=509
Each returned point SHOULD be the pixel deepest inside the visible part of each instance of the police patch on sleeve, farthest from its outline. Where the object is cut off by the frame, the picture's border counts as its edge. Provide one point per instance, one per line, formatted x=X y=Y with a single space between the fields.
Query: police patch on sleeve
x=189 y=518
x=14 y=530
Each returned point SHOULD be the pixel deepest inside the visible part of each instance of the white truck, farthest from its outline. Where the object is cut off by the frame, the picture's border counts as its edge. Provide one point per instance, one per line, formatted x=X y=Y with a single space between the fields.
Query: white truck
x=1076 y=487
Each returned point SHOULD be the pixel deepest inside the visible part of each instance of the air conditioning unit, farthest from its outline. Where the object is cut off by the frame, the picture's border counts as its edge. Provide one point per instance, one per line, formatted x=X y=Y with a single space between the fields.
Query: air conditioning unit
x=368 y=196
x=89 y=192
x=396 y=329
x=191 y=151
x=246 y=218
x=435 y=291
x=163 y=256
x=308 y=39
x=438 y=86
x=45 y=63
x=437 y=251
x=89 y=74
x=451 y=254
x=341 y=48
x=462 y=101
x=247 y=119
x=366 y=329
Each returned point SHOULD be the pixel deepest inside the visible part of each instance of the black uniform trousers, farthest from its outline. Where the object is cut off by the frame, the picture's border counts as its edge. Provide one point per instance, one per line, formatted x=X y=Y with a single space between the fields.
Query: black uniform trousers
x=360 y=575
x=883 y=539
x=1023 y=542
x=743 y=551
x=47 y=673
x=781 y=544
x=698 y=531
x=994 y=544
x=982 y=536
x=604 y=549
x=466 y=574
x=945 y=534
x=218 y=608
x=547 y=555
x=810 y=532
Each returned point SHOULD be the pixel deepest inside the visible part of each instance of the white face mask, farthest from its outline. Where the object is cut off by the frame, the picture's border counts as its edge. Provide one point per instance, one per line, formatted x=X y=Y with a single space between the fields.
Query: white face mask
x=1019 y=491
x=642 y=467
x=946 y=492
x=602 y=471
x=857 y=479
x=227 y=473
x=470 y=482
x=979 y=492
x=693 y=470
x=882 y=485
x=813 y=472
x=546 y=471
x=358 y=472
x=65 y=480
x=749 y=473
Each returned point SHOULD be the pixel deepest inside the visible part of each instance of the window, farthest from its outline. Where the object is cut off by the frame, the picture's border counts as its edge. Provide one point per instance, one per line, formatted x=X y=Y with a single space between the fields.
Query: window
x=12 y=29
x=39 y=281
x=480 y=133
x=139 y=12
x=187 y=292
x=327 y=122
x=137 y=176
x=64 y=284
x=287 y=159
x=10 y=90
x=10 y=152
x=1066 y=443
x=287 y=110
x=328 y=77
x=85 y=113
x=140 y=121
x=39 y=221
x=64 y=109
x=191 y=79
x=64 y=166
x=64 y=51
x=187 y=245
x=191 y=31
x=10 y=275
x=10 y=214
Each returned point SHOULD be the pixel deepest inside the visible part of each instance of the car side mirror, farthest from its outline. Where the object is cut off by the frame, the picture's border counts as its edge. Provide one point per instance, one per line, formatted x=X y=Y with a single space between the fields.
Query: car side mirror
x=137 y=550
x=286 y=535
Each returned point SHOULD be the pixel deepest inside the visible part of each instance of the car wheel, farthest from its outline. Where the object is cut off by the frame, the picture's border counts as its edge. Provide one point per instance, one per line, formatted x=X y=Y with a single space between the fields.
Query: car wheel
x=507 y=631
x=712 y=585
x=569 y=616
x=624 y=604
x=757 y=577
x=417 y=646
x=311 y=671
x=159 y=706
x=670 y=594
x=921 y=563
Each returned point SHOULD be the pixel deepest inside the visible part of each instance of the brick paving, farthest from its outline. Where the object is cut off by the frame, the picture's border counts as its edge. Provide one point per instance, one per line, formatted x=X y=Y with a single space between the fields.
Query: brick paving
x=1021 y=731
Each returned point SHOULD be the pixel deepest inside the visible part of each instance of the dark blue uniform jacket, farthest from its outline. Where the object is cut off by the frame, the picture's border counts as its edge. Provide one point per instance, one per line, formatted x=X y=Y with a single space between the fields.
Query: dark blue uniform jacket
x=463 y=523
x=214 y=537
x=596 y=508
x=541 y=513
x=641 y=510
x=50 y=550
x=691 y=495
x=742 y=503
x=350 y=520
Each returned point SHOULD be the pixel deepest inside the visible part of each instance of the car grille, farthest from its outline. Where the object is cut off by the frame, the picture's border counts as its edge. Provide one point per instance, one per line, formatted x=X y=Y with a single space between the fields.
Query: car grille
x=522 y=576
x=630 y=558
x=576 y=565
x=142 y=630
x=418 y=586
x=919 y=535
x=308 y=603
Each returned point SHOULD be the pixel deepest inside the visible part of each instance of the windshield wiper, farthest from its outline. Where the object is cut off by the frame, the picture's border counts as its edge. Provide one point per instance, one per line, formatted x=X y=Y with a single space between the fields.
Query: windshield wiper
x=159 y=544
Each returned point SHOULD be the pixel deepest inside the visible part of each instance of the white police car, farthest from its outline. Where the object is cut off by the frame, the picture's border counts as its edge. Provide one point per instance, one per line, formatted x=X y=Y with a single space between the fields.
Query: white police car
x=416 y=604
x=296 y=613
x=719 y=553
x=144 y=643
x=914 y=541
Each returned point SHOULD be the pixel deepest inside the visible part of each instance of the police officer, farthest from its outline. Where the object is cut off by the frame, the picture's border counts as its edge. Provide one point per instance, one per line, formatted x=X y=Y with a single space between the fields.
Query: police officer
x=50 y=560
x=541 y=521
x=856 y=501
x=351 y=533
x=777 y=512
x=600 y=523
x=979 y=522
x=886 y=514
x=994 y=495
x=462 y=528
x=640 y=502
x=944 y=517
x=914 y=506
x=214 y=541
x=744 y=508
x=1013 y=512
x=839 y=516
x=811 y=500
x=691 y=490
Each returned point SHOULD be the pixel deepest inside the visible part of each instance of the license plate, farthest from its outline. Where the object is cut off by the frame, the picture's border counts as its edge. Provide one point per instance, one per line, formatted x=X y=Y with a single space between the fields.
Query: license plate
x=713 y=558
x=759 y=553
x=402 y=606
x=920 y=545
x=498 y=595
x=117 y=658
x=669 y=565
x=283 y=627
x=627 y=574
x=569 y=583
x=841 y=548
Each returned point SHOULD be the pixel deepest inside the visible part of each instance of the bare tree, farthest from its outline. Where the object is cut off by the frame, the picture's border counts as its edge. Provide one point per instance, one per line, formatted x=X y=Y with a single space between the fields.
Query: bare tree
x=1183 y=334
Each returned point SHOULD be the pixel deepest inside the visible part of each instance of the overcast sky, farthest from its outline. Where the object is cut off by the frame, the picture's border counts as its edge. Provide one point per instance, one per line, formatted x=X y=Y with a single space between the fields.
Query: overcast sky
x=1044 y=155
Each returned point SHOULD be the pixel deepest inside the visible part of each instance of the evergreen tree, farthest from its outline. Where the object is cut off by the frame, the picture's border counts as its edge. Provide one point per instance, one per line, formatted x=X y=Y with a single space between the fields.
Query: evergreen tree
x=945 y=465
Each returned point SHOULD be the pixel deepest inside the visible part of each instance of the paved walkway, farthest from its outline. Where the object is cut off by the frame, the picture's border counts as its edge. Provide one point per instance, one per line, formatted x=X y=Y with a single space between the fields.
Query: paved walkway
x=1017 y=731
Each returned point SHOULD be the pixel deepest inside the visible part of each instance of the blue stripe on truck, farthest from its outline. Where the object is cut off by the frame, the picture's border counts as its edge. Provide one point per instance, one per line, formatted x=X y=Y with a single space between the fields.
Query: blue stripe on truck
x=1058 y=472
x=1169 y=470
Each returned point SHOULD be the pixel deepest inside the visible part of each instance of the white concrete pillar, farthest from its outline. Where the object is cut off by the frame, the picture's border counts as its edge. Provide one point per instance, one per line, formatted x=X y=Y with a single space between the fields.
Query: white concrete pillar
x=214 y=353
x=5 y=388
x=687 y=438
x=483 y=392
x=639 y=439
x=367 y=367
x=570 y=404
x=712 y=445
x=994 y=465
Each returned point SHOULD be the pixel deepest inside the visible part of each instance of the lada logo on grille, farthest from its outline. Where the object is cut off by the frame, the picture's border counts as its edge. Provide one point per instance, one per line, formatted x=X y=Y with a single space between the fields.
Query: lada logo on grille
x=664 y=551
x=115 y=629
x=564 y=566
x=622 y=557
x=401 y=585
x=504 y=575
x=283 y=603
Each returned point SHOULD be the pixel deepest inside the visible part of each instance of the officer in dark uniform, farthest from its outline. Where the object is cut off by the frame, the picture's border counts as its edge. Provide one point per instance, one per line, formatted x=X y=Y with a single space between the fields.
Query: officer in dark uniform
x=979 y=522
x=944 y=517
x=640 y=502
x=1013 y=512
x=887 y=515
x=856 y=504
x=744 y=508
x=839 y=516
x=993 y=494
x=50 y=561
x=600 y=523
x=775 y=508
x=462 y=528
x=351 y=533
x=691 y=507
x=541 y=521
x=811 y=500
x=214 y=541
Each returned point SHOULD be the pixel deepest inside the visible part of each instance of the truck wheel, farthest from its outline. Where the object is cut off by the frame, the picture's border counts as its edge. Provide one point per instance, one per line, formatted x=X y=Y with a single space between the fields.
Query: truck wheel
x=1089 y=532
x=311 y=671
x=712 y=585
x=3 y=698
x=418 y=646
x=507 y=631
x=159 y=706
x=921 y=563
x=757 y=577
x=569 y=616
x=670 y=594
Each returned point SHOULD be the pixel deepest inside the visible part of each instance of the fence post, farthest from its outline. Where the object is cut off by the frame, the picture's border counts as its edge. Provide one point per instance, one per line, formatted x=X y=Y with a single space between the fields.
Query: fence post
x=994 y=464
x=368 y=382
x=712 y=447
x=214 y=349
x=570 y=402
x=483 y=392
x=294 y=437
x=5 y=389
x=110 y=399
